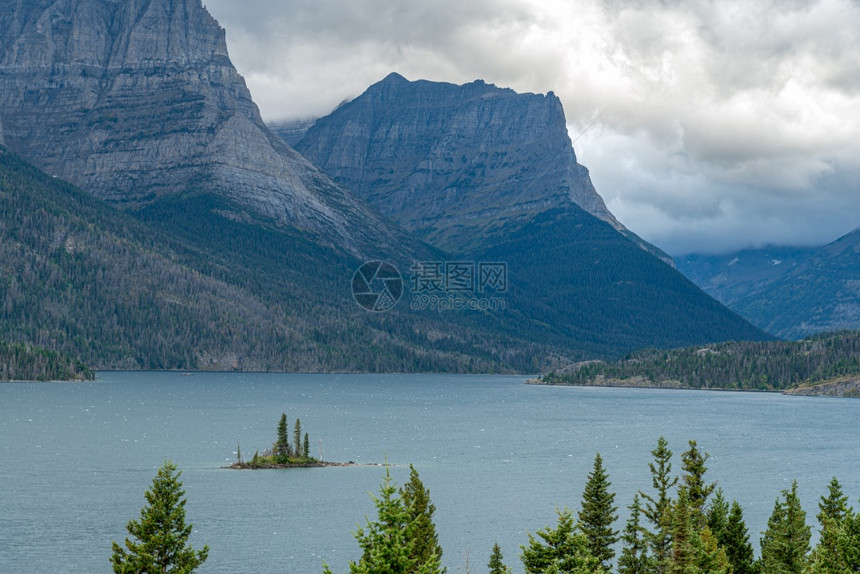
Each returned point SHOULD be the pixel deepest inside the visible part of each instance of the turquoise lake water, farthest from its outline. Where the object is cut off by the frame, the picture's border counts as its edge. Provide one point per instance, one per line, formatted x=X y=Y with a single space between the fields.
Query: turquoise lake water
x=497 y=455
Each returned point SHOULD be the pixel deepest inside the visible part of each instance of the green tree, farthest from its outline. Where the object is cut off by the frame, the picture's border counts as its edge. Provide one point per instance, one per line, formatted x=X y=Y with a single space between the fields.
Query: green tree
x=282 y=444
x=656 y=508
x=306 y=447
x=598 y=514
x=694 y=480
x=387 y=542
x=425 y=541
x=736 y=540
x=848 y=542
x=634 y=553
x=496 y=564
x=718 y=514
x=238 y=453
x=161 y=535
x=832 y=510
x=785 y=543
x=561 y=550
x=297 y=438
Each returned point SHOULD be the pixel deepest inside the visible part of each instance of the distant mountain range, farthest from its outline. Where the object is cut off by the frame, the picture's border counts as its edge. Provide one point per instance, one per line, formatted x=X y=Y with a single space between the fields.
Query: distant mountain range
x=791 y=292
x=203 y=240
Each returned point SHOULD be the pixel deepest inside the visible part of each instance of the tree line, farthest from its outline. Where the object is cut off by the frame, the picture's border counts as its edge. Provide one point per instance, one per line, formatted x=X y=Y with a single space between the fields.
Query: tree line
x=23 y=362
x=739 y=365
x=683 y=524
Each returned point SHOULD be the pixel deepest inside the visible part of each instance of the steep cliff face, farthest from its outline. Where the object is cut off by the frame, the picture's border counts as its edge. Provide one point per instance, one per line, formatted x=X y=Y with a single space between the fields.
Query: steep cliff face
x=136 y=99
x=439 y=158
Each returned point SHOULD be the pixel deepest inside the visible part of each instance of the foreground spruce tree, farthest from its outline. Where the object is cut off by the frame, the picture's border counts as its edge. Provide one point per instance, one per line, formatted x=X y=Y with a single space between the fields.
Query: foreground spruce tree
x=634 y=554
x=387 y=543
x=736 y=540
x=560 y=551
x=425 y=541
x=785 y=543
x=694 y=480
x=598 y=514
x=656 y=508
x=161 y=535
x=496 y=563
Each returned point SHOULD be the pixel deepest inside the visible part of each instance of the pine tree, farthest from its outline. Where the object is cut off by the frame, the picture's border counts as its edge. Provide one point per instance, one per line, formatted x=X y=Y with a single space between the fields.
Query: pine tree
x=736 y=540
x=496 y=564
x=297 y=438
x=833 y=510
x=598 y=514
x=656 y=508
x=238 y=454
x=425 y=541
x=785 y=543
x=694 y=479
x=161 y=535
x=282 y=444
x=848 y=542
x=718 y=514
x=306 y=447
x=634 y=554
x=387 y=542
x=560 y=550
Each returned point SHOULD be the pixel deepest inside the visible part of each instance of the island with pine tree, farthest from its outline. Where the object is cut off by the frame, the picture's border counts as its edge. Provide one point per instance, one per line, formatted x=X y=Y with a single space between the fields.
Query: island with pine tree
x=285 y=453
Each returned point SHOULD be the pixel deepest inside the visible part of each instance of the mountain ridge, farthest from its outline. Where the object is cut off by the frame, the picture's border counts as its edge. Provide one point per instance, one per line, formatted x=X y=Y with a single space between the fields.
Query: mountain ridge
x=789 y=291
x=133 y=101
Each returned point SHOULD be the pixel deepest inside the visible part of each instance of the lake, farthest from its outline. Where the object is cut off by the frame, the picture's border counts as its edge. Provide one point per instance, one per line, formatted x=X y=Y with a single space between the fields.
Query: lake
x=497 y=455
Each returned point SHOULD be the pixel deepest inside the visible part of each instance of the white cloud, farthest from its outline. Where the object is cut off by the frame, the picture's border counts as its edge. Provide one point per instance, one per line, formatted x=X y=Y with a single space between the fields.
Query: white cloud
x=723 y=123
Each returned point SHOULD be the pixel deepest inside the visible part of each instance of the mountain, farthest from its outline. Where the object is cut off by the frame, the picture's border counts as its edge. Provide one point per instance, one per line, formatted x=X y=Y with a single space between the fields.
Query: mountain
x=136 y=101
x=78 y=275
x=291 y=131
x=791 y=292
x=491 y=175
x=448 y=162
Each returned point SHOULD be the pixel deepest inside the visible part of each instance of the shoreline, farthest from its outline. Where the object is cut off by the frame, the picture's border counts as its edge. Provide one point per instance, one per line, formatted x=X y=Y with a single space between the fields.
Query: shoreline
x=317 y=464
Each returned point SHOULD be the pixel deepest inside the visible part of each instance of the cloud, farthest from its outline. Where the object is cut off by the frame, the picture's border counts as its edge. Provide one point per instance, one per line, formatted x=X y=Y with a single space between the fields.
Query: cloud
x=722 y=123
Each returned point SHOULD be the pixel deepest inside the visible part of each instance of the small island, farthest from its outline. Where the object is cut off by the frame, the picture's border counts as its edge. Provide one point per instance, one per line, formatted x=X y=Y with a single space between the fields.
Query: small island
x=284 y=452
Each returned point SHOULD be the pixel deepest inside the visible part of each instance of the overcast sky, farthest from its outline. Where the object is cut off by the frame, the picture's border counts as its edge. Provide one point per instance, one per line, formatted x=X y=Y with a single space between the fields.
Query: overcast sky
x=721 y=124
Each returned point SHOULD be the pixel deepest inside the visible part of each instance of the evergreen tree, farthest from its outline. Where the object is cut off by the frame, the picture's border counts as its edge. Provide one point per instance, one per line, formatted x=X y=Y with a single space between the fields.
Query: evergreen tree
x=718 y=514
x=832 y=515
x=560 y=550
x=634 y=554
x=785 y=543
x=297 y=438
x=656 y=508
x=694 y=480
x=238 y=453
x=282 y=444
x=306 y=447
x=682 y=557
x=387 y=542
x=496 y=564
x=425 y=541
x=848 y=542
x=161 y=535
x=598 y=514
x=736 y=540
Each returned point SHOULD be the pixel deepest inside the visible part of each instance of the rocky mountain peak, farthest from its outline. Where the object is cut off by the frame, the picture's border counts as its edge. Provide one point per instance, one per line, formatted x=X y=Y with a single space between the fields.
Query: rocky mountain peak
x=438 y=157
x=134 y=100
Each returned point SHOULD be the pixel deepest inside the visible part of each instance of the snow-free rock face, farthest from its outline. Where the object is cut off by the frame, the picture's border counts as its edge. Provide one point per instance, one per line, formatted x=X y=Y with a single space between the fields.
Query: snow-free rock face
x=136 y=99
x=438 y=157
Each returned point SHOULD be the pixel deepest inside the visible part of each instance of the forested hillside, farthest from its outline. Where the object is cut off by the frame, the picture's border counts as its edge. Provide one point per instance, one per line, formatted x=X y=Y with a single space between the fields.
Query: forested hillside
x=745 y=365
x=19 y=362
